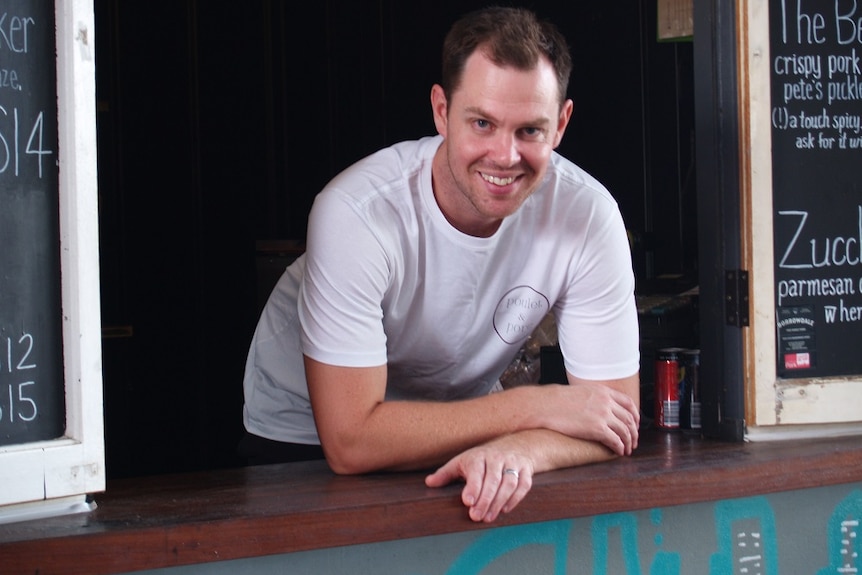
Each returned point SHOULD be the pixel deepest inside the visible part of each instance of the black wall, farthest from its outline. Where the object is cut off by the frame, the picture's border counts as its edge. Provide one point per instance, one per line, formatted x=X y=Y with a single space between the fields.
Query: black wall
x=218 y=123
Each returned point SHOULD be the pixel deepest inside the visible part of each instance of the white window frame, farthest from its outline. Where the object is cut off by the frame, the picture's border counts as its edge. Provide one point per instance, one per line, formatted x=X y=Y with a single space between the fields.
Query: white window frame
x=775 y=407
x=49 y=477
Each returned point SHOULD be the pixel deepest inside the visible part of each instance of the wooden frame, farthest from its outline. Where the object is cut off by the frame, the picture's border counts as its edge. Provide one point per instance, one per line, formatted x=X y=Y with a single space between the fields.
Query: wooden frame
x=775 y=407
x=50 y=477
x=675 y=20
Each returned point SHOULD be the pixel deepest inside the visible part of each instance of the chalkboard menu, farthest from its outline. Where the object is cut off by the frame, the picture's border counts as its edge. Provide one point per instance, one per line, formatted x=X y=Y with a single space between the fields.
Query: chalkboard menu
x=816 y=83
x=31 y=360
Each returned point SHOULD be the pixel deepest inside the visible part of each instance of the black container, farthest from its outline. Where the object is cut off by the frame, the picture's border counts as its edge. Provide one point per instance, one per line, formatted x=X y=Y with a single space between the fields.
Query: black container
x=689 y=396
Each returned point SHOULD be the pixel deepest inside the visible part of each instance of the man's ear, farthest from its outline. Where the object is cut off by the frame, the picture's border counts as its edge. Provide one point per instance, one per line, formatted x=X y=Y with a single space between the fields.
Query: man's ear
x=563 y=121
x=440 y=109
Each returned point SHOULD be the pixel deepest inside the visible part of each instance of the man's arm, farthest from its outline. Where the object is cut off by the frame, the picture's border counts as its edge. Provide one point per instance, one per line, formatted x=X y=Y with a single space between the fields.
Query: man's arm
x=361 y=432
x=499 y=474
x=629 y=386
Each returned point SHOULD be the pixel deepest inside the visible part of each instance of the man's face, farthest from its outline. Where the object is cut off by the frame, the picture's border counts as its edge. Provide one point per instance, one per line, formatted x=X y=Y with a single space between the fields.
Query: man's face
x=500 y=127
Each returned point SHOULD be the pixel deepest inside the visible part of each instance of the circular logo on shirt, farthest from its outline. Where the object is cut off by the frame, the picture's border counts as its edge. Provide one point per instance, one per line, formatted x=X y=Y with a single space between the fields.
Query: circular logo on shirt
x=519 y=312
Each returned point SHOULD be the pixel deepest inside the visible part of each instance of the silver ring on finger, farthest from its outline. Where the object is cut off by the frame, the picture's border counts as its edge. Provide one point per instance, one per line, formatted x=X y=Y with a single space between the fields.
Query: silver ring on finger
x=511 y=472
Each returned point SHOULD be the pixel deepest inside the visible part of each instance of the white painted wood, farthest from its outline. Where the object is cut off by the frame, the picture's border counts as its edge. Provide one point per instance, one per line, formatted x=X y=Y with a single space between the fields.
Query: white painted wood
x=800 y=432
x=761 y=349
x=772 y=401
x=818 y=400
x=60 y=473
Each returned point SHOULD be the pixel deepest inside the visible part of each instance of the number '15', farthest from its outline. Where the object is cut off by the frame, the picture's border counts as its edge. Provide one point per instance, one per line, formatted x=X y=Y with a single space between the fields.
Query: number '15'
x=23 y=413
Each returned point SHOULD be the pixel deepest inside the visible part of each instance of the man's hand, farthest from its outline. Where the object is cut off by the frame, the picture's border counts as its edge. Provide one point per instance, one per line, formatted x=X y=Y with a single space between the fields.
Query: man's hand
x=499 y=473
x=602 y=412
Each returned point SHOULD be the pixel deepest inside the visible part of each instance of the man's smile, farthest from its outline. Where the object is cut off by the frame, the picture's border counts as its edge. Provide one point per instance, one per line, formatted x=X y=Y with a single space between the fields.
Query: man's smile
x=497 y=181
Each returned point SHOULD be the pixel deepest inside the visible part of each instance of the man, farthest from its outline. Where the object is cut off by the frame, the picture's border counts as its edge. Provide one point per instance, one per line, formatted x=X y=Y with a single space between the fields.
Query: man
x=427 y=266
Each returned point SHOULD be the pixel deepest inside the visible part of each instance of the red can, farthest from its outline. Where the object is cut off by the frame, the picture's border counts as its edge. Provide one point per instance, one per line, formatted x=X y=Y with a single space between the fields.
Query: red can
x=668 y=377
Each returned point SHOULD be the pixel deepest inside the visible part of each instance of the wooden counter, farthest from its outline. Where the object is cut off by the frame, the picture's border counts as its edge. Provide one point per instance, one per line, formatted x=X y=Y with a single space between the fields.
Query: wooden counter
x=176 y=520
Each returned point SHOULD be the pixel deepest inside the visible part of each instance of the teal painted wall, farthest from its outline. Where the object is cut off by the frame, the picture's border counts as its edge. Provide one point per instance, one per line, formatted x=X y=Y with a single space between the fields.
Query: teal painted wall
x=809 y=532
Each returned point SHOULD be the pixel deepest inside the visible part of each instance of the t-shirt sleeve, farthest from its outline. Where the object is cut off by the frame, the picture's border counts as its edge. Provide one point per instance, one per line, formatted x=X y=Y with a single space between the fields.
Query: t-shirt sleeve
x=346 y=276
x=597 y=316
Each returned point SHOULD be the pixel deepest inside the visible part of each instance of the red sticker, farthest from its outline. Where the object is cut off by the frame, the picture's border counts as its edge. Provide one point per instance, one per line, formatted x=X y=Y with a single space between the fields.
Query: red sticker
x=797 y=361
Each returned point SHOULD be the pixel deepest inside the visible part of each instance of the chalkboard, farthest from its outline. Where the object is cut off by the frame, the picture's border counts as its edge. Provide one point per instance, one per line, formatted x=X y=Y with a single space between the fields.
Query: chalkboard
x=31 y=360
x=816 y=83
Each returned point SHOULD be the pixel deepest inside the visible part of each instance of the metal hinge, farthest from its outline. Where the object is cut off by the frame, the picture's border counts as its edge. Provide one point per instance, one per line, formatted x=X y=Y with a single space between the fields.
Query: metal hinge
x=736 y=297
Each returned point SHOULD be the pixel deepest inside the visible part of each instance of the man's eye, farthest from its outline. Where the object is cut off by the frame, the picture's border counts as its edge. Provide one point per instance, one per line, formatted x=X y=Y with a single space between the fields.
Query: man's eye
x=482 y=124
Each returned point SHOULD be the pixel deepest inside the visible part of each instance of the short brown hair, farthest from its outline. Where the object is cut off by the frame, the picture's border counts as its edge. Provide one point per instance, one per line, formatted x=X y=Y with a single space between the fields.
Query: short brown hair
x=510 y=37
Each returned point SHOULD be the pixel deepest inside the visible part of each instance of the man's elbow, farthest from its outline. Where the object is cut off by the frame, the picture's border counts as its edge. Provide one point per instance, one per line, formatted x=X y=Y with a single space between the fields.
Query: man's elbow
x=345 y=459
x=344 y=467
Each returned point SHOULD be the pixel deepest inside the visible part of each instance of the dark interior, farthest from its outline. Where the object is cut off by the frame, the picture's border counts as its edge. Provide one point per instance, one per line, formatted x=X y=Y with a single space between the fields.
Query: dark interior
x=219 y=121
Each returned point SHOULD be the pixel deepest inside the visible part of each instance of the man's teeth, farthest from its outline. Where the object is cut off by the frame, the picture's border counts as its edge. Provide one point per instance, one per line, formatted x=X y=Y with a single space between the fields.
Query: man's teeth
x=498 y=181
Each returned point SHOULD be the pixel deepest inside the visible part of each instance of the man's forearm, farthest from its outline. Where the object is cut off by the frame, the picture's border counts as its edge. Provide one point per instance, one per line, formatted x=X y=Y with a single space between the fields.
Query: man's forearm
x=433 y=440
x=361 y=432
x=409 y=435
x=552 y=450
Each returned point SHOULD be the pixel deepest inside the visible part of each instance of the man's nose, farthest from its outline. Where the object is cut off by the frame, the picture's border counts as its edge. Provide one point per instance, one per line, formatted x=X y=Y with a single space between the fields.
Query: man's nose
x=504 y=150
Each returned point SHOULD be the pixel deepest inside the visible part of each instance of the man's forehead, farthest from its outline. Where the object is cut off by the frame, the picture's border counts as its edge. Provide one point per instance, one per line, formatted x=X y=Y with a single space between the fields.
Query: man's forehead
x=487 y=88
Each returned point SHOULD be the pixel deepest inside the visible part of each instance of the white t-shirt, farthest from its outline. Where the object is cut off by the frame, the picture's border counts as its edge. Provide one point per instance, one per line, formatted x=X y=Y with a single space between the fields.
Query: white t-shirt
x=387 y=280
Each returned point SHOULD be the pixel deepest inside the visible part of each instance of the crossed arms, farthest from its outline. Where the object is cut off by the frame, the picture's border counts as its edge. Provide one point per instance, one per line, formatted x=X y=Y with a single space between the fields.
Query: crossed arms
x=527 y=429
